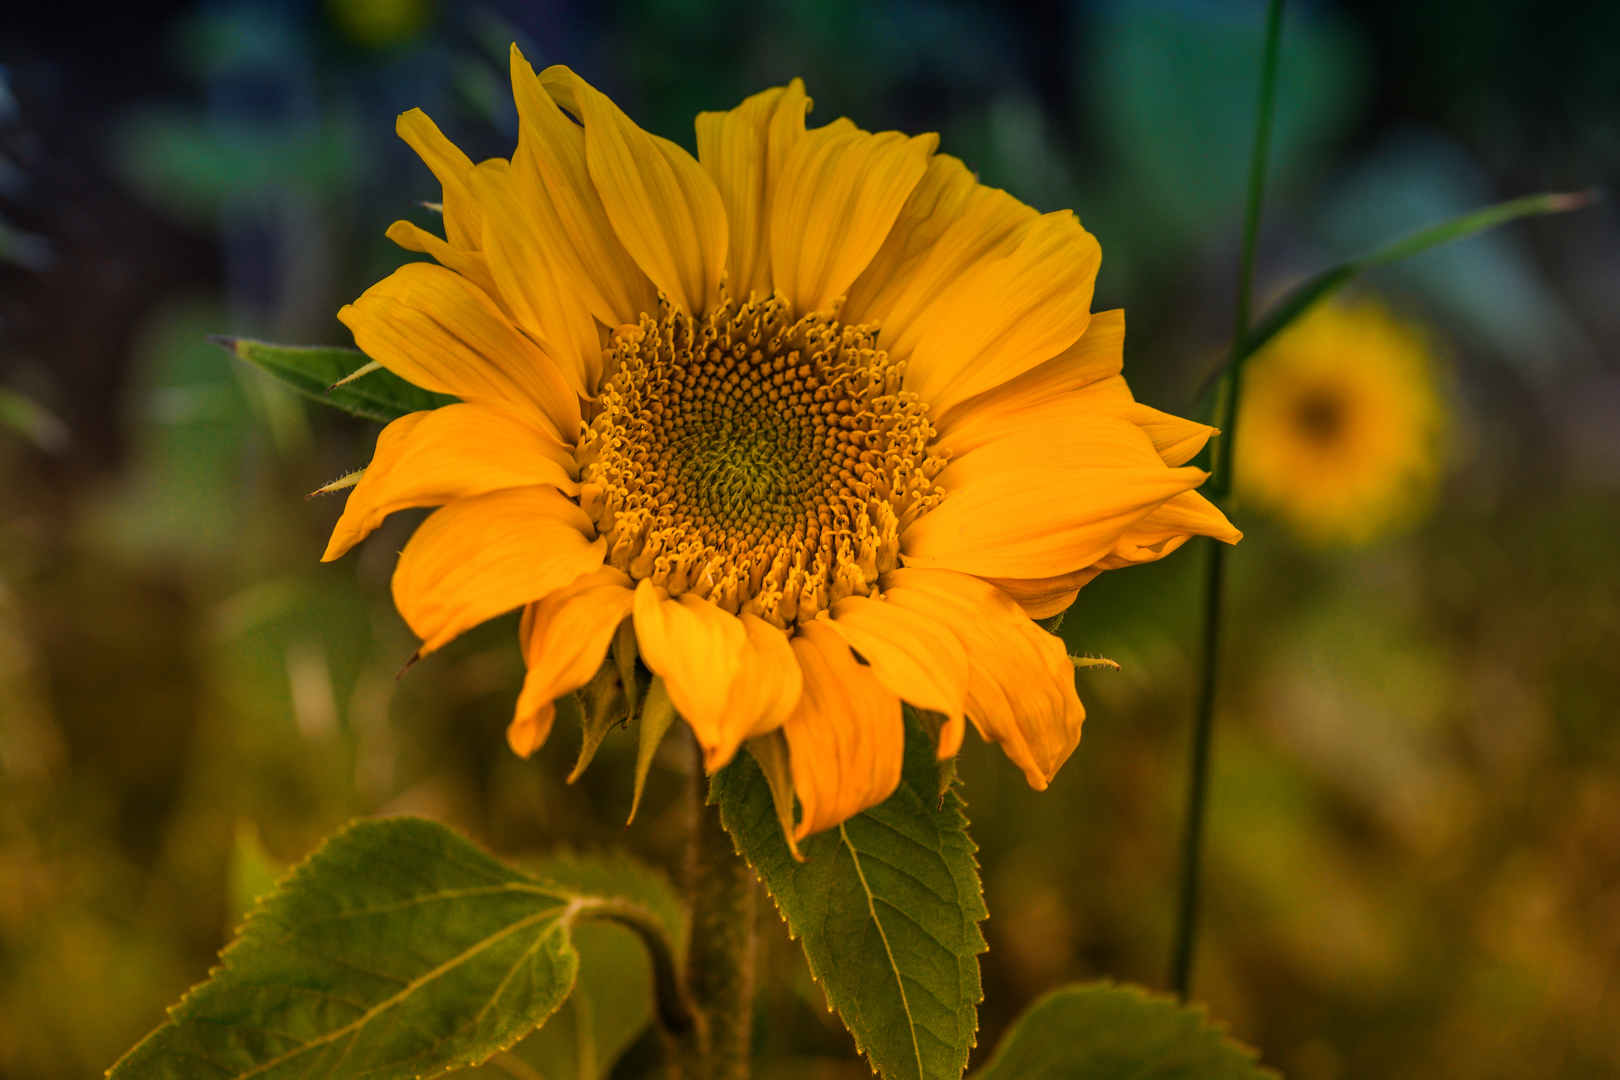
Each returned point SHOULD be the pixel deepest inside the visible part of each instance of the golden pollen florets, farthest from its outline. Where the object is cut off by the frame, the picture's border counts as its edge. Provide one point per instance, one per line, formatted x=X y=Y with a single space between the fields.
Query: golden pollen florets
x=765 y=463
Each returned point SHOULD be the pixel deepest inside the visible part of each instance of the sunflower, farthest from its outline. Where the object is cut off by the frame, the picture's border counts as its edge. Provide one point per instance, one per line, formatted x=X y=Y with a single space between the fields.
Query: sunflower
x=1341 y=421
x=814 y=421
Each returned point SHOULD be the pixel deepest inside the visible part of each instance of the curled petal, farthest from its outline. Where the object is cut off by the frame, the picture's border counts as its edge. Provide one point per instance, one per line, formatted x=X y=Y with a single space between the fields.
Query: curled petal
x=480 y=557
x=565 y=639
x=911 y=654
x=846 y=737
x=455 y=452
x=434 y=328
x=1020 y=680
x=699 y=649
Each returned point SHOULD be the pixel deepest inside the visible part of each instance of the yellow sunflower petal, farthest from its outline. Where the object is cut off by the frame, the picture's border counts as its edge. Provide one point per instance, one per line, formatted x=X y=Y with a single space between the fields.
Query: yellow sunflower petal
x=550 y=164
x=1167 y=528
x=565 y=638
x=950 y=224
x=478 y=558
x=538 y=290
x=911 y=655
x=1041 y=598
x=846 y=739
x=766 y=691
x=699 y=649
x=1096 y=358
x=1176 y=440
x=463 y=220
x=1020 y=690
x=1004 y=316
x=838 y=196
x=1016 y=507
x=469 y=264
x=456 y=452
x=432 y=327
x=734 y=148
x=663 y=206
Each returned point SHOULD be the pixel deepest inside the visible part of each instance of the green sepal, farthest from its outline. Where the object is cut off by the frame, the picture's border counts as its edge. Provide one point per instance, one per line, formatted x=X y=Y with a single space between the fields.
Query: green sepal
x=1100 y=1031
x=657 y=714
x=887 y=907
x=602 y=707
x=316 y=370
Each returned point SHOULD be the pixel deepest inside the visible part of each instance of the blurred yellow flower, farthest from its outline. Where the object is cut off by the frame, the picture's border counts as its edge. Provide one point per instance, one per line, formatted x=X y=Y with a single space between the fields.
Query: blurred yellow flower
x=819 y=419
x=1341 y=423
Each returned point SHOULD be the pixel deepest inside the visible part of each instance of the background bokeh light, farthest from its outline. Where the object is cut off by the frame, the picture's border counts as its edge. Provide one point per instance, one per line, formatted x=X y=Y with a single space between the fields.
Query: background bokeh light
x=1414 y=864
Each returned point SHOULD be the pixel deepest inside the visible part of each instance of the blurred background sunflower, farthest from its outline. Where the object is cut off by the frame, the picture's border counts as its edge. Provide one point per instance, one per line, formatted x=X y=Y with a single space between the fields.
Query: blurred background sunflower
x=1414 y=862
x=1341 y=423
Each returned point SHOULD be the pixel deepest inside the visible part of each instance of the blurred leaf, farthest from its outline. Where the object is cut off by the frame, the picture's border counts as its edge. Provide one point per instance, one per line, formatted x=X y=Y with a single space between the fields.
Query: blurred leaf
x=314 y=370
x=27 y=417
x=887 y=908
x=397 y=950
x=1102 y=1032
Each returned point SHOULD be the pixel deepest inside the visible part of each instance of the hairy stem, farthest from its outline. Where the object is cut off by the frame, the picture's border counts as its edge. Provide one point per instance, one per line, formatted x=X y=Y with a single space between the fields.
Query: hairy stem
x=1186 y=935
x=719 y=971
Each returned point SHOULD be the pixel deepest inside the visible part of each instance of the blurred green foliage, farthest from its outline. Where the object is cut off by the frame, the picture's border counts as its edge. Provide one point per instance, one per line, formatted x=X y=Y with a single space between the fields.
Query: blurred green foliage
x=1415 y=848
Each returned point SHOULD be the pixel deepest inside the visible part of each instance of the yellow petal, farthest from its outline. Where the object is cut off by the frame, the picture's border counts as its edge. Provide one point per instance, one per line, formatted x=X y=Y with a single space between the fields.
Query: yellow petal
x=1167 y=528
x=434 y=328
x=663 y=206
x=950 y=224
x=1004 y=316
x=1020 y=682
x=463 y=220
x=839 y=194
x=469 y=264
x=456 y=452
x=565 y=639
x=550 y=164
x=1176 y=440
x=698 y=649
x=1052 y=500
x=910 y=654
x=537 y=288
x=734 y=148
x=846 y=738
x=1041 y=598
x=765 y=692
x=1098 y=356
x=480 y=557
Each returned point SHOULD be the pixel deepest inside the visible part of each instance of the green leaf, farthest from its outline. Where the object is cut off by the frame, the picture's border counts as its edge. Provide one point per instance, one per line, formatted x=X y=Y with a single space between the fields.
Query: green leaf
x=397 y=950
x=612 y=1000
x=887 y=907
x=314 y=370
x=1102 y=1032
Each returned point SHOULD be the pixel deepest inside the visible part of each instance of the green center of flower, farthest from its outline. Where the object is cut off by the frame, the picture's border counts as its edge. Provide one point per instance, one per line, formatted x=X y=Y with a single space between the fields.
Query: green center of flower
x=764 y=462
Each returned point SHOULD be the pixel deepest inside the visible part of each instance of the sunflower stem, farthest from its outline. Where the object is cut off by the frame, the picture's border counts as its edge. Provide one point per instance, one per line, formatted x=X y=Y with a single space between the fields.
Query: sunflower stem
x=1186 y=931
x=719 y=969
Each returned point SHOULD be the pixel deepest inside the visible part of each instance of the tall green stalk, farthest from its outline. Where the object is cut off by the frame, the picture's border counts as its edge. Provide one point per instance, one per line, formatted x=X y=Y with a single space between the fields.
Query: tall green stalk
x=1203 y=724
x=719 y=971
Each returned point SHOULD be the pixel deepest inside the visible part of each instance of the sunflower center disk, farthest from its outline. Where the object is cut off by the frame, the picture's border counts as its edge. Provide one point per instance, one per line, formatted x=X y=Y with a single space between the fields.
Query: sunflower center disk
x=766 y=463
